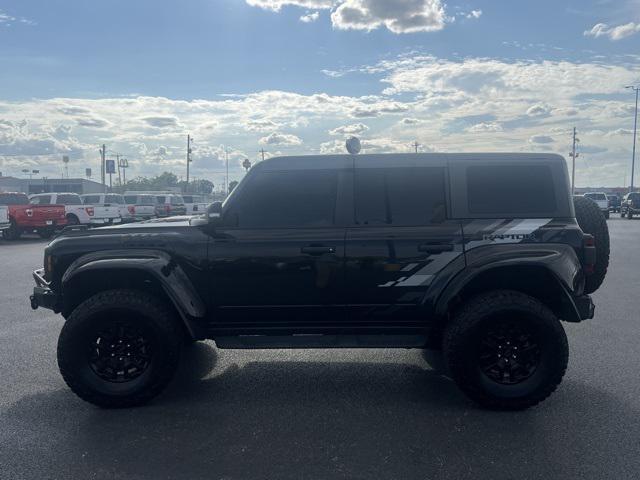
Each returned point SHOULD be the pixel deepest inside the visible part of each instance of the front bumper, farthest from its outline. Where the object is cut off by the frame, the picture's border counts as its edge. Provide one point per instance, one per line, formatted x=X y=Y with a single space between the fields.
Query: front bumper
x=42 y=295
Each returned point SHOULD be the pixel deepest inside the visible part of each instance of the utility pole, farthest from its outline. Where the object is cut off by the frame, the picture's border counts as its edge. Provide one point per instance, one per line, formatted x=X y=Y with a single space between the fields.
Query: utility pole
x=635 y=125
x=574 y=155
x=118 y=164
x=103 y=153
x=416 y=145
x=262 y=152
x=188 y=160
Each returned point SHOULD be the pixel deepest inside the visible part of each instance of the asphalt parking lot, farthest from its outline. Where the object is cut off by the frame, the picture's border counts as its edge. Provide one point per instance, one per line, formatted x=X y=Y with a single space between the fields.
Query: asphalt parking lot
x=322 y=414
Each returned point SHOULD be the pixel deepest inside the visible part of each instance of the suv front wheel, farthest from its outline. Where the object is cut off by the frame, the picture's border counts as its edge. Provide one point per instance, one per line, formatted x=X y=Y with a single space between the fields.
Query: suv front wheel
x=119 y=348
x=506 y=350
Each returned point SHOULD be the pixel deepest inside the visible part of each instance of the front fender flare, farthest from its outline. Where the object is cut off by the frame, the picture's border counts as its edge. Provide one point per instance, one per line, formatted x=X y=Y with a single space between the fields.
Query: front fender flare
x=159 y=265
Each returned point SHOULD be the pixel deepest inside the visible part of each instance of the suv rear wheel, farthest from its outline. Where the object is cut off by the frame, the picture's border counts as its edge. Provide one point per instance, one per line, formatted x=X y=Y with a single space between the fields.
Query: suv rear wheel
x=506 y=350
x=119 y=348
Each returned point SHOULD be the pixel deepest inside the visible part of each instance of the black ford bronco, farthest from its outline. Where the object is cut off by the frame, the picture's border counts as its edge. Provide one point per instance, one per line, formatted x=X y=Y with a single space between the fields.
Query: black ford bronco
x=474 y=258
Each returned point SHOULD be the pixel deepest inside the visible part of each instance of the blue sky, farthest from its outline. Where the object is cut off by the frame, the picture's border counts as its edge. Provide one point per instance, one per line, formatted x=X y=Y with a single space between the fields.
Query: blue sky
x=251 y=74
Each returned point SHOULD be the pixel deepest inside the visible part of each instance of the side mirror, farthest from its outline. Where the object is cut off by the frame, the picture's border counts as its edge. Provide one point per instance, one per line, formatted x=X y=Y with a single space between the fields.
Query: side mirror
x=214 y=210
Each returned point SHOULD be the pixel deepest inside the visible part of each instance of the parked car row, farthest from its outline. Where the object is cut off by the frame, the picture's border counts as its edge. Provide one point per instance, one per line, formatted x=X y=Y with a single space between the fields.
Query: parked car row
x=627 y=206
x=44 y=213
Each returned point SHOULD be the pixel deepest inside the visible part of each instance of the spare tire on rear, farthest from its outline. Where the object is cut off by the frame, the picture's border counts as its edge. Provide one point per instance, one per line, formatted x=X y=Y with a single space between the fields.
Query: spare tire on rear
x=592 y=221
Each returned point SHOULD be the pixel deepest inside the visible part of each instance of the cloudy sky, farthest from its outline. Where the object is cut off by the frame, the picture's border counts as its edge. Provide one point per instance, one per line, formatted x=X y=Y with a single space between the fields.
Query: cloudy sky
x=299 y=76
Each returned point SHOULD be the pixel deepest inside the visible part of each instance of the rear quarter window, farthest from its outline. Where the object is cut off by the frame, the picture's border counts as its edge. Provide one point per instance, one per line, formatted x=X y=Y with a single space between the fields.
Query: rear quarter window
x=510 y=189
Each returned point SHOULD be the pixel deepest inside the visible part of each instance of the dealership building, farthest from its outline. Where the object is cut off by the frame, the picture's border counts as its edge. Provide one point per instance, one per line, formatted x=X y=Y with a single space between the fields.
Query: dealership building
x=45 y=185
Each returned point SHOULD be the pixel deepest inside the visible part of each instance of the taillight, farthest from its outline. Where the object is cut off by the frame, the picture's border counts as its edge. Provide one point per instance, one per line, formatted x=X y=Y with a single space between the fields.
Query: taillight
x=90 y=211
x=29 y=212
x=132 y=209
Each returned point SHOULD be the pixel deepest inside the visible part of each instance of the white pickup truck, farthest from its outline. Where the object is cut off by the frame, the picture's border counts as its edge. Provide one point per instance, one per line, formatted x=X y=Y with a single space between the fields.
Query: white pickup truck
x=601 y=199
x=195 y=204
x=108 y=200
x=78 y=213
x=4 y=217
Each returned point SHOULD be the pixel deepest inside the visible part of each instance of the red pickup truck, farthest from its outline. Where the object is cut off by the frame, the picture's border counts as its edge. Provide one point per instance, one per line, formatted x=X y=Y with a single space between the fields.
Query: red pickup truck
x=23 y=217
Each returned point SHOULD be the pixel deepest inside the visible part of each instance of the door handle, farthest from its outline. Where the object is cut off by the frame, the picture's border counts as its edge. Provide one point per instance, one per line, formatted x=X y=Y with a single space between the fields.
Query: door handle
x=317 y=249
x=435 y=247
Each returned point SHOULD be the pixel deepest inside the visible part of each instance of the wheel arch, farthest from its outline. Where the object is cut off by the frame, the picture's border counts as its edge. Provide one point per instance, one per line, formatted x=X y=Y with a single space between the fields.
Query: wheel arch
x=537 y=281
x=156 y=273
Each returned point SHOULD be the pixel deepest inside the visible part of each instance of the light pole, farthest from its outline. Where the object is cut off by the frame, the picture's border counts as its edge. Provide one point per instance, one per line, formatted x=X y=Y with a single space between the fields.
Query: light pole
x=635 y=125
x=573 y=155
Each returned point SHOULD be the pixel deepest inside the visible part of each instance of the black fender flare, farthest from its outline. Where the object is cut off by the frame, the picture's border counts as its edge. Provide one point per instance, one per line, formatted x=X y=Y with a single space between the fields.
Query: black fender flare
x=558 y=261
x=159 y=265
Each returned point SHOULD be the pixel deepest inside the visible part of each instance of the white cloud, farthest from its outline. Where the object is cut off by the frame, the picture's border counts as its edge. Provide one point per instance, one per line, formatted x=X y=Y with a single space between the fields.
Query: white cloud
x=353 y=129
x=8 y=20
x=161 y=121
x=485 y=127
x=398 y=16
x=310 y=17
x=474 y=14
x=261 y=125
x=614 y=33
x=541 y=139
x=276 y=5
x=276 y=138
x=538 y=109
x=406 y=16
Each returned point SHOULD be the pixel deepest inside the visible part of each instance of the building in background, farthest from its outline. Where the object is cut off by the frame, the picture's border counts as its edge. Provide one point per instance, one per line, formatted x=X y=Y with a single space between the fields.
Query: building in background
x=45 y=185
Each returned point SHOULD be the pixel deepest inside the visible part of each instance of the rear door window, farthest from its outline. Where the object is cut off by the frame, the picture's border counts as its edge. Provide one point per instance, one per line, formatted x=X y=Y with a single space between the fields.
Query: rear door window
x=176 y=200
x=117 y=199
x=91 y=199
x=400 y=196
x=510 y=189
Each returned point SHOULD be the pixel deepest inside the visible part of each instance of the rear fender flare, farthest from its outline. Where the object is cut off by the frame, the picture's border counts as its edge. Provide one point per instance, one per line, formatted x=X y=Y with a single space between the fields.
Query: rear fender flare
x=560 y=263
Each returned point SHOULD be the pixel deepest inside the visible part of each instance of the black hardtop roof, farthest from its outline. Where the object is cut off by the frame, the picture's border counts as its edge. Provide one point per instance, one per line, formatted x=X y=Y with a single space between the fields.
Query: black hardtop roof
x=317 y=162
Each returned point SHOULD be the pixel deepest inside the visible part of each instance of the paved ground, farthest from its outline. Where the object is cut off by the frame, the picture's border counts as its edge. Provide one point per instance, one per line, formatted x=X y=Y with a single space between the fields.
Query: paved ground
x=322 y=414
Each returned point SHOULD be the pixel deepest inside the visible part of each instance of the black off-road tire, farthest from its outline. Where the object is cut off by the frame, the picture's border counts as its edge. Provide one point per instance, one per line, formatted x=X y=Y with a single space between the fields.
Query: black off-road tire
x=464 y=343
x=13 y=232
x=111 y=309
x=592 y=221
